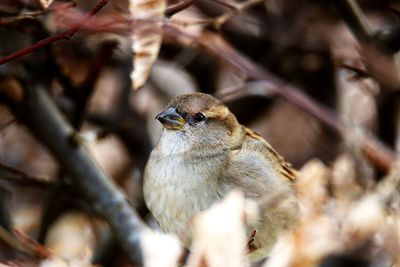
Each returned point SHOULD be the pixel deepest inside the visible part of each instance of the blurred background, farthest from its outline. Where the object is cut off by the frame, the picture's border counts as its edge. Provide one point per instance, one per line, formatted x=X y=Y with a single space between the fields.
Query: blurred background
x=338 y=55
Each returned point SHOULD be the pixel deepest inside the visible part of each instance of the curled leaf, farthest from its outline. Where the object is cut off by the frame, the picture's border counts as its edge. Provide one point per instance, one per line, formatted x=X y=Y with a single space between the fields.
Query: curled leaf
x=146 y=37
x=219 y=234
x=46 y=3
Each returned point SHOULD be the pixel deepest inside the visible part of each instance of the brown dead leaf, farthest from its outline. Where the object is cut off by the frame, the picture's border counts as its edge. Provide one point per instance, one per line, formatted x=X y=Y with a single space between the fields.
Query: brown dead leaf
x=344 y=181
x=160 y=250
x=46 y=3
x=391 y=236
x=364 y=219
x=305 y=246
x=219 y=234
x=72 y=237
x=311 y=185
x=146 y=37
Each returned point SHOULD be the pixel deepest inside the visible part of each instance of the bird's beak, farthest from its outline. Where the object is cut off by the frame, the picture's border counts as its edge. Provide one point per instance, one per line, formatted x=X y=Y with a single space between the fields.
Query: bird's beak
x=171 y=119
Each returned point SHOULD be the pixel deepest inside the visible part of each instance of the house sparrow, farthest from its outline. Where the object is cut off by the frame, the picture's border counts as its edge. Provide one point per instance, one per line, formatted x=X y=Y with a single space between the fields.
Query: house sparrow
x=202 y=154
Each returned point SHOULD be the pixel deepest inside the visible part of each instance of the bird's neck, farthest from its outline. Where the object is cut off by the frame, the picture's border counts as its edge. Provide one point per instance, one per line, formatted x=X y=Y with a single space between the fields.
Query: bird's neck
x=175 y=144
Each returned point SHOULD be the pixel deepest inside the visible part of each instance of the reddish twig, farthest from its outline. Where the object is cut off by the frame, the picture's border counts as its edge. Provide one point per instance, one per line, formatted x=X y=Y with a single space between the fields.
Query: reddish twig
x=375 y=46
x=34 y=14
x=115 y=23
x=64 y=35
x=173 y=9
x=218 y=46
x=30 y=15
x=379 y=155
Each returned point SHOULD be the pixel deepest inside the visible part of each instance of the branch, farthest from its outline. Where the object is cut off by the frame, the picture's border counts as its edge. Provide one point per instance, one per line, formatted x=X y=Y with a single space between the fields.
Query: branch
x=34 y=14
x=354 y=17
x=379 y=154
x=28 y=15
x=64 y=35
x=83 y=92
x=217 y=22
x=20 y=178
x=176 y=8
x=381 y=66
x=376 y=48
x=234 y=10
x=46 y=122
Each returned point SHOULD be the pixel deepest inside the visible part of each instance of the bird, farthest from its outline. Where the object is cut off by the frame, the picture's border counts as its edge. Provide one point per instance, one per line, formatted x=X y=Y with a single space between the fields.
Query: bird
x=202 y=154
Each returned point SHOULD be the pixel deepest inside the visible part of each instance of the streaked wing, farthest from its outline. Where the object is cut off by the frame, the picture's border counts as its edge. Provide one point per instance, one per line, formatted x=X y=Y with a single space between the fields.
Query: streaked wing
x=277 y=161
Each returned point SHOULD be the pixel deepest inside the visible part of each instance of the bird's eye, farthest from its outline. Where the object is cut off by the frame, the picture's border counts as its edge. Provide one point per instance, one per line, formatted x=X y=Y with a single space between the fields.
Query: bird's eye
x=199 y=117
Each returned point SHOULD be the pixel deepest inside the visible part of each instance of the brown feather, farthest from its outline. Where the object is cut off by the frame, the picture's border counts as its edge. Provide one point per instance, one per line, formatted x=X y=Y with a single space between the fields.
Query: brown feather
x=278 y=162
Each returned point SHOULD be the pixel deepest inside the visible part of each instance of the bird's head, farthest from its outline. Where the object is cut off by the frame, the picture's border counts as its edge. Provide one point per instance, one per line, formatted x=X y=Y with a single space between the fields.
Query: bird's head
x=199 y=120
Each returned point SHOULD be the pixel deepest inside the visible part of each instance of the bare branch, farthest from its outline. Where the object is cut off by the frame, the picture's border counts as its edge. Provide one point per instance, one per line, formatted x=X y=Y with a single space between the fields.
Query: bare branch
x=375 y=47
x=178 y=7
x=34 y=14
x=355 y=18
x=377 y=153
x=64 y=35
x=83 y=92
x=99 y=189
x=20 y=178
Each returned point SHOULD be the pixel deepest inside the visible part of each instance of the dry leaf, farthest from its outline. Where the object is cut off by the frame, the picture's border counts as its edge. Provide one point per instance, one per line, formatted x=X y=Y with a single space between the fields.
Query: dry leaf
x=311 y=185
x=356 y=99
x=46 y=3
x=84 y=261
x=391 y=235
x=219 y=237
x=364 y=219
x=313 y=238
x=72 y=237
x=146 y=37
x=344 y=180
x=160 y=250
x=187 y=21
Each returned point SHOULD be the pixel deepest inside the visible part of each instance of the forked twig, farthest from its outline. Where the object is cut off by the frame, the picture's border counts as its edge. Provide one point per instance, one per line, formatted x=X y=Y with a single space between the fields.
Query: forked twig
x=68 y=34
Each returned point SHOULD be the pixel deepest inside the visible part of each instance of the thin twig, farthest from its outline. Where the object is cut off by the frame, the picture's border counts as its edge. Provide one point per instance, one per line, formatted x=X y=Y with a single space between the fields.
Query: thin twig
x=20 y=178
x=34 y=14
x=28 y=15
x=64 y=35
x=254 y=88
x=178 y=7
x=379 y=154
x=14 y=243
x=7 y=124
x=355 y=18
x=237 y=7
x=84 y=91
x=217 y=22
x=386 y=73
x=219 y=47
x=108 y=23
x=234 y=10
x=59 y=137
x=375 y=47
